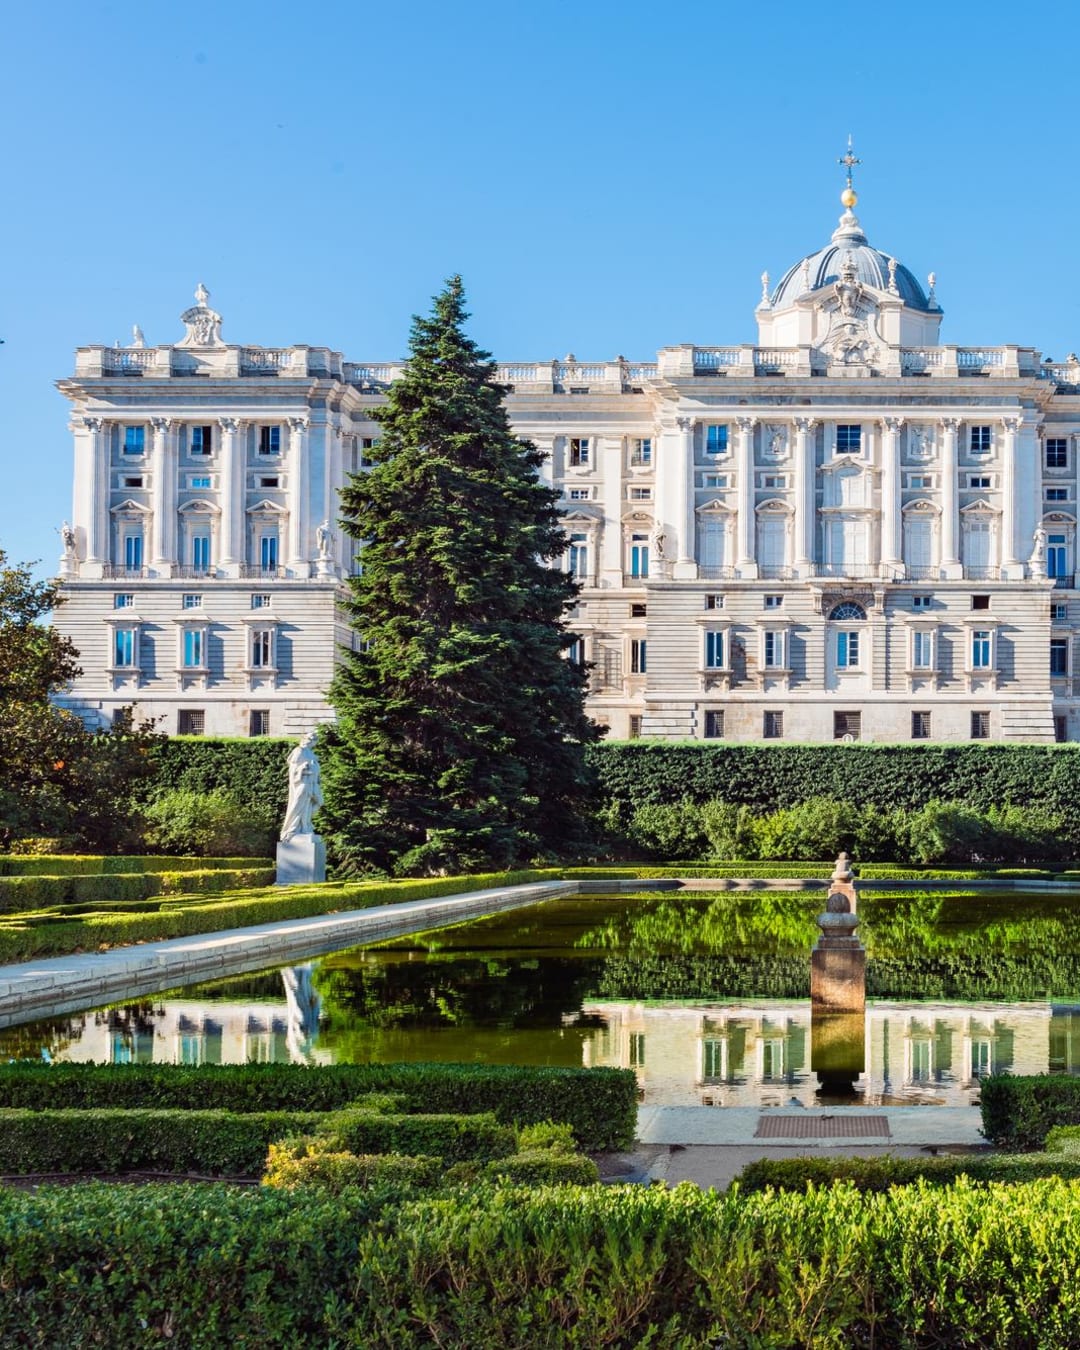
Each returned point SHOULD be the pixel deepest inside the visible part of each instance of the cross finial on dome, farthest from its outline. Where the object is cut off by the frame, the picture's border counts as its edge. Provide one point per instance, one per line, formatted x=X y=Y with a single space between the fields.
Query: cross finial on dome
x=849 y=160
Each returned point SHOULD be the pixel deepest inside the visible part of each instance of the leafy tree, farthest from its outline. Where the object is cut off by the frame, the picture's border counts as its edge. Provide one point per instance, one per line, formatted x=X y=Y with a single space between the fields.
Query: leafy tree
x=57 y=778
x=461 y=724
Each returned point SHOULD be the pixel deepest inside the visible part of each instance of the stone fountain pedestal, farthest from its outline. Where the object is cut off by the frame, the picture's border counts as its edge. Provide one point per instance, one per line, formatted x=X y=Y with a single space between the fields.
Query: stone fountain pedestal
x=838 y=991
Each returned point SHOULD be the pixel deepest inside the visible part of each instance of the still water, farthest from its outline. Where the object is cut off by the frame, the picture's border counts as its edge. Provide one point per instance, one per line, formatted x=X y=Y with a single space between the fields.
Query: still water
x=705 y=997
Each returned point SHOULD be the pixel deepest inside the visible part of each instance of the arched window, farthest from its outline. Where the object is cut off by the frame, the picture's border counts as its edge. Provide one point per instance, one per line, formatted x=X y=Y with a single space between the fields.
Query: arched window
x=847 y=610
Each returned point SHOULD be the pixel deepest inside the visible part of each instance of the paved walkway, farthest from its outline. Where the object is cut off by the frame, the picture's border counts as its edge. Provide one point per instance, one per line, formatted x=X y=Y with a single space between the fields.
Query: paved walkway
x=40 y=988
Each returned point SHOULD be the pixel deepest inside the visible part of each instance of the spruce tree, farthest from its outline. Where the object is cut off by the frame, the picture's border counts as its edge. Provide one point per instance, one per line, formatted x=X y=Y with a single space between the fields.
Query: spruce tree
x=460 y=732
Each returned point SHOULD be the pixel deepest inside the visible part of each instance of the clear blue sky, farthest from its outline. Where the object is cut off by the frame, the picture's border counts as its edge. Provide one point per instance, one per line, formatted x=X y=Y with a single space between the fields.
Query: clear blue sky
x=608 y=177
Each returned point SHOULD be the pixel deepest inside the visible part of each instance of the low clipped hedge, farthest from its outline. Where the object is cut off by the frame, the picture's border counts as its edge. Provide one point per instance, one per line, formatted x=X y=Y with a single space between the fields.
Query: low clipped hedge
x=309 y=1162
x=600 y=1105
x=227 y=1143
x=204 y=1267
x=26 y=935
x=879 y=1174
x=19 y=894
x=1019 y=1112
x=95 y=864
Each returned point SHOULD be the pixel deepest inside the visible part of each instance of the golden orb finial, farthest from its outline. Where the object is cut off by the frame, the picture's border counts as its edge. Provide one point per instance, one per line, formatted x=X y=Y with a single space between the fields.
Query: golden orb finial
x=849 y=197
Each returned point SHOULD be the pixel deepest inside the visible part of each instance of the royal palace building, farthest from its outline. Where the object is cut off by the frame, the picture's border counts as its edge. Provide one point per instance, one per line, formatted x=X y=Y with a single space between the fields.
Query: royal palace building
x=845 y=529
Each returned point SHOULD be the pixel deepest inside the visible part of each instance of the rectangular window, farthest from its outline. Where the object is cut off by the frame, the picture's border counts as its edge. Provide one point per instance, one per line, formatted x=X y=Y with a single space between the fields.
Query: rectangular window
x=575 y=653
x=200 y=552
x=714 y=650
x=921 y=601
x=190 y=722
x=980 y=726
x=980 y=649
x=268 y=552
x=641 y=453
x=1057 y=452
x=774 y=480
x=714 y=602
x=638 y=610
x=133 y=552
x=134 y=440
x=259 y=722
x=714 y=724
x=772 y=650
x=922 y=481
x=980 y=442
x=1059 y=613
x=773 y=726
x=637 y=656
x=202 y=440
x=125 y=647
x=634 y=733
x=922 y=651
x=269 y=480
x=639 y=555
x=716 y=440
x=579 y=451
x=262 y=648
x=847 y=649
x=269 y=440
x=848 y=438
x=1057 y=494
x=1057 y=557
x=846 y=726
x=578 y=556
x=198 y=482
x=640 y=494
x=260 y=601
x=135 y=482
x=580 y=494
x=1061 y=728
x=774 y=601
x=191 y=602
x=124 y=600
x=715 y=480
x=1059 y=656
x=979 y=481
x=980 y=602
x=193 y=647
x=920 y=726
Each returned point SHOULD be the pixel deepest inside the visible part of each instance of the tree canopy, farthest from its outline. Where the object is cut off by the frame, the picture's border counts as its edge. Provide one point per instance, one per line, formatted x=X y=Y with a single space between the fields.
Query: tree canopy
x=460 y=721
x=57 y=778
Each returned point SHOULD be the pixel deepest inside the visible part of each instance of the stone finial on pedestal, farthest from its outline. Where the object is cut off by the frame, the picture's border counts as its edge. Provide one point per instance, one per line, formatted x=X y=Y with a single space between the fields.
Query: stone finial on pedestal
x=838 y=961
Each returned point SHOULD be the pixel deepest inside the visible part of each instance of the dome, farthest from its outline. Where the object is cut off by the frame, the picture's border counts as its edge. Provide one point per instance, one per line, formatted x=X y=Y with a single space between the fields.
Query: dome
x=871 y=268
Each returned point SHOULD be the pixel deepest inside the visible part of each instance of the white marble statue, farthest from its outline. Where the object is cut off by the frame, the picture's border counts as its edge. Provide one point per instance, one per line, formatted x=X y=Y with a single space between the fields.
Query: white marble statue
x=67 y=535
x=305 y=792
x=324 y=540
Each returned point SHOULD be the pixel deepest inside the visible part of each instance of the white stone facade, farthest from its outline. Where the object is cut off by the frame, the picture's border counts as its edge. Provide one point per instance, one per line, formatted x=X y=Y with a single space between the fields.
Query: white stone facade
x=845 y=530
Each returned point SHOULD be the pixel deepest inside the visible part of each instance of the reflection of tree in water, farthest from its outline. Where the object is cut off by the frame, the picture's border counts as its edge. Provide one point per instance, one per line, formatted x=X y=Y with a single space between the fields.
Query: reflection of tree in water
x=780 y=922
x=384 y=991
x=37 y=1040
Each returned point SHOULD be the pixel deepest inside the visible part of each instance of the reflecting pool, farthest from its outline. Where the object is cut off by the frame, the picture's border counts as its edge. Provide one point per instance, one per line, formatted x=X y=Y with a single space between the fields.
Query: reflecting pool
x=705 y=997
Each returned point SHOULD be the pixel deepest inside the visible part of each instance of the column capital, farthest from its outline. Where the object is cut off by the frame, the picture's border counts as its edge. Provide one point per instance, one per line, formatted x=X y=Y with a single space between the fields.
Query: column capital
x=893 y=424
x=805 y=424
x=686 y=424
x=298 y=424
x=94 y=424
x=746 y=423
x=950 y=423
x=231 y=423
x=162 y=424
x=1012 y=424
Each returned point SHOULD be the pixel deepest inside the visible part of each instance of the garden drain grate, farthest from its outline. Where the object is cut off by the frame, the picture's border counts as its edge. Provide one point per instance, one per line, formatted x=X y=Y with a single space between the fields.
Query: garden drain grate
x=822 y=1127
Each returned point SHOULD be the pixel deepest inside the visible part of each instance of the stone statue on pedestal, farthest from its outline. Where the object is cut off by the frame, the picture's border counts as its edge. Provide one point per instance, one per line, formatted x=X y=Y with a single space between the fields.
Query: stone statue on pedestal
x=301 y=855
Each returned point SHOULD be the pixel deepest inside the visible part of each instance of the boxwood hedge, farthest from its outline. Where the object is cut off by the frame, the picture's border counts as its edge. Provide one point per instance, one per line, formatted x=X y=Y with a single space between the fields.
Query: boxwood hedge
x=1018 y=1113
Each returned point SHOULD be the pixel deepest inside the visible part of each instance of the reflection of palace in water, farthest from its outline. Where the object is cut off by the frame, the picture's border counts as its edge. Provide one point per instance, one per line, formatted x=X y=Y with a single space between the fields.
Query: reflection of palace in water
x=759 y=1054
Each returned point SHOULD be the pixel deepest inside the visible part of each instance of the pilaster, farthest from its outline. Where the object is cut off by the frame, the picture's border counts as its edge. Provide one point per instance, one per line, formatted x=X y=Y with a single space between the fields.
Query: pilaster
x=744 y=525
x=1012 y=569
x=950 y=561
x=163 y=552
x=805 y=495
x=890 y=494
x=233 y=477
x=296 y=560
x=685 y=563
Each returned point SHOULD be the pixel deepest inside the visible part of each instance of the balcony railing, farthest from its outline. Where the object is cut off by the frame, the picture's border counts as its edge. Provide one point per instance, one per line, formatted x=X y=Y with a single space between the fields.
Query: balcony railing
x=193 y=573
x=256 y=573
x=1065 y=582
x=981 y=573
x=118 y=571
x=716 y=573
x=852 y=571
x=774 y=572
x=920 y=573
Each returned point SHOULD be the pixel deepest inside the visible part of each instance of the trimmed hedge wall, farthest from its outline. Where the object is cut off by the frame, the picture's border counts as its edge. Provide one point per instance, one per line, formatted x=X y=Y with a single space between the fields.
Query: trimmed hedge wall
x=19 y=894
x=766 y=777
x=878 y=1174
x=252 y=770
x=1018 y=1113
x=228 y=1143
x=96 y=864
x=209 y=1266
x=600 y=1105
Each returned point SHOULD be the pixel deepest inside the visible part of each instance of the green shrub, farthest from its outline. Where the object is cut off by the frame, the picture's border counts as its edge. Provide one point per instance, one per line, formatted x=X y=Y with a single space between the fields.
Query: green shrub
x=1063 y=1139
x=544 y=1167
x=668 y=831
x=729 y=829
x=879 y=1174
x=248 y=769
x=95 y=864
x=209 y=824
x=546 y=1134
x=1018 y=1113
x=20 y=894
x=600 y=1105
x=311 y=1162
x=456 y=1138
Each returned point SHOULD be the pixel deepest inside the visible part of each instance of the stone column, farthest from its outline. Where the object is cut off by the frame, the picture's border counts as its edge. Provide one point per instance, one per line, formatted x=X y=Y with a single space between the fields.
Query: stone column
x=890 y=495
x=685 y=561
x=805 y=496
x=91 y=509
x=609 y=562
x=1012 y=569
x=1029 y=507
x=950 y=558
x=667 y=517
x=334 y=481
x=233 y=477
x=296 y=549
x=744 y=525
x=163 y=552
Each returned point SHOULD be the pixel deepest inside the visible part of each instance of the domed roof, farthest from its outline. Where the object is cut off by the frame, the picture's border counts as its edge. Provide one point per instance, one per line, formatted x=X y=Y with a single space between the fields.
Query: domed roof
x=872 y=267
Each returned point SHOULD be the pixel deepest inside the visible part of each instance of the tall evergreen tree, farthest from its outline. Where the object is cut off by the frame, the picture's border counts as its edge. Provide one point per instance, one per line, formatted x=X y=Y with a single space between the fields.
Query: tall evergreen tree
x=460 y=722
